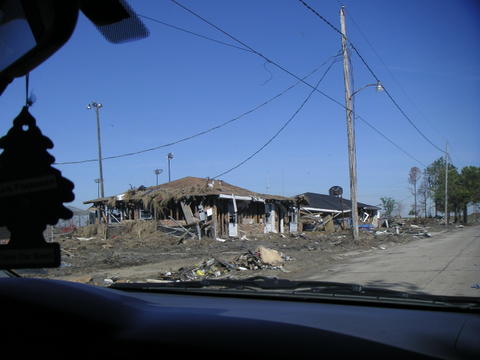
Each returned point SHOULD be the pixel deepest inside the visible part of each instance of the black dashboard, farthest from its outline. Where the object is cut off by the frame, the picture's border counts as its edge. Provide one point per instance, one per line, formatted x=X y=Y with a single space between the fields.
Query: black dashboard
x=44 y=315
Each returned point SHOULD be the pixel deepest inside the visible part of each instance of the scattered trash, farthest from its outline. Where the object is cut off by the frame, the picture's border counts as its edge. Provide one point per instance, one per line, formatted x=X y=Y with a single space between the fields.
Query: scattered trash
x=200 y=272
x=382 y=247
x=244 y=237
x=381 y=232
x=459 y=226
x=108 y=281
x=221 y=240
x=85 y=238
x=260 y=259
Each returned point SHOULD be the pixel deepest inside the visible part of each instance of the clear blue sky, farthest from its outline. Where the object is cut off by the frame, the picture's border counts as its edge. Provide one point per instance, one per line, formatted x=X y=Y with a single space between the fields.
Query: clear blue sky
x=173 y=84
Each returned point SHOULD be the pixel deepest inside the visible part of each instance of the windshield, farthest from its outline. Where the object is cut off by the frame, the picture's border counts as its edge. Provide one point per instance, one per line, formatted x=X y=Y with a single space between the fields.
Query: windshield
x=294 y=139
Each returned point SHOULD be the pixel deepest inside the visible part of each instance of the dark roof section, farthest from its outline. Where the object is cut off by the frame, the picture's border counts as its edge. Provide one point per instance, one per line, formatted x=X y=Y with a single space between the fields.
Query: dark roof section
x=328 y=202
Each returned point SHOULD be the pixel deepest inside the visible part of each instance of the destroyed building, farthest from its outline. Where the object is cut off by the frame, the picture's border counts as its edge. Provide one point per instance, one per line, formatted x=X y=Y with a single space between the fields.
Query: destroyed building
x=326 y=212
x=202 y=206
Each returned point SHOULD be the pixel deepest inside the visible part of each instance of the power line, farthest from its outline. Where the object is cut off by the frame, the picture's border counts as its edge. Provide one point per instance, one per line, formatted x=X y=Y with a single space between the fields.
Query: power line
x=372 y=73
x=193 y=33
x=390 y=141
x=281 y=128
x=332 y=58
x=256 y=52
x=389 y=71
x=289 y=72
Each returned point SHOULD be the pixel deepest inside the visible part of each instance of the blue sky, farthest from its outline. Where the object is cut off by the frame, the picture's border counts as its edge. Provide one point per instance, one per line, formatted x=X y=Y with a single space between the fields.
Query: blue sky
x=173 y=84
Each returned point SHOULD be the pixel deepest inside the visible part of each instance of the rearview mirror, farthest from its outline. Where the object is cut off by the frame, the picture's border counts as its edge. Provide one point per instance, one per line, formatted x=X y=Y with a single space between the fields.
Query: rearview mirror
x=30 y=32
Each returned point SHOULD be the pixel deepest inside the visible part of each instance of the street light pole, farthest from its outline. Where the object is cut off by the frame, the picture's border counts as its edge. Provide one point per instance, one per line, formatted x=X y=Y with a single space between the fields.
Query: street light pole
x=157 y=172
x=169 y=157
x=352 y=157
x=97 y=107
x=352 y=160
x=97 y=181
x=446 y=185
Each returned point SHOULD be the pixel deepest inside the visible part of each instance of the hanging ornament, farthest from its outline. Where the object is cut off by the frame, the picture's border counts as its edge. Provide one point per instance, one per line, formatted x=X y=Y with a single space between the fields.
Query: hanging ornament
x=32 y=194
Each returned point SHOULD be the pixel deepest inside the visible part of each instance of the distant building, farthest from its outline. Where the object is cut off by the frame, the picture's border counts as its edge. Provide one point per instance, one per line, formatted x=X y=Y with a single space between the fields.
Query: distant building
x=315 y=208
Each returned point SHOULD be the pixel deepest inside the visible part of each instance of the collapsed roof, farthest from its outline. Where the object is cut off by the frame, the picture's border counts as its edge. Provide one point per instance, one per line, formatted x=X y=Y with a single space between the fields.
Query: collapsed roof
x=182 y=189
x=328 y=203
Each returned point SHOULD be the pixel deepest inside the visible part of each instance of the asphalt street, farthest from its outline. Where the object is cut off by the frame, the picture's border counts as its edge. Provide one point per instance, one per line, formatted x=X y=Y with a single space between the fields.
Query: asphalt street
x=446 y=264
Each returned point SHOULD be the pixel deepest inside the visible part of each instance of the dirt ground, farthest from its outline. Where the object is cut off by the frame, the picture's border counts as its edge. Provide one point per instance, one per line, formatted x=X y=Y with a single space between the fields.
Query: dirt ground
x=136 y=252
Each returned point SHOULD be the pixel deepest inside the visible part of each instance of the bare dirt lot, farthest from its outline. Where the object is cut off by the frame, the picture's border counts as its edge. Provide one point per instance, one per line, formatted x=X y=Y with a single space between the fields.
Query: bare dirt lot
x=139 y=253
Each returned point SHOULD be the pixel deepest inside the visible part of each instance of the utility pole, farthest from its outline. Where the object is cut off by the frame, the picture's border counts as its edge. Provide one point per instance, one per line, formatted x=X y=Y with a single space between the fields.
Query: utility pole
x=350 y=127
x=97 y=107
x=446 y=185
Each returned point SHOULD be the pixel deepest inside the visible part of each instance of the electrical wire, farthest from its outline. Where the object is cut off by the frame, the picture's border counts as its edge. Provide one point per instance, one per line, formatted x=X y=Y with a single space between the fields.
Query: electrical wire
x=390 y=140
x=292 y=74
x=193 y=33
x=256 y=52
x=399 y=108
x=331 y=58
x=390 y=72
x=269 y=141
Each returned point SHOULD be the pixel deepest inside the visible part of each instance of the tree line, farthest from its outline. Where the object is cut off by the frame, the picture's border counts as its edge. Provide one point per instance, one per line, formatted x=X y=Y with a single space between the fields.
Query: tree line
x=428 y=187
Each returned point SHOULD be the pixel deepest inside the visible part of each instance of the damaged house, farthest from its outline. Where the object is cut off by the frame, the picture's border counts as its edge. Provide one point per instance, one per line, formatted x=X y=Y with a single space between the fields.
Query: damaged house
x=325 y=212
x=201 y=206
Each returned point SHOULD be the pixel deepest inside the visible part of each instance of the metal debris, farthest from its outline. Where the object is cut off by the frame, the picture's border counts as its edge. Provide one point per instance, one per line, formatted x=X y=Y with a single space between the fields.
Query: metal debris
x=261 y=259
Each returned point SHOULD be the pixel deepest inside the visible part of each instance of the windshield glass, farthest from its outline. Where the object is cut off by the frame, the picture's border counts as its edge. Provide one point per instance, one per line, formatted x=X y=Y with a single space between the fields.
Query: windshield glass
x=294 y=139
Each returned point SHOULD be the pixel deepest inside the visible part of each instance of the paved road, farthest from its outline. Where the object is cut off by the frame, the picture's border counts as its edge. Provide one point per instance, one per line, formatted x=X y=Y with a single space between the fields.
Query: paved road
x=448 y=264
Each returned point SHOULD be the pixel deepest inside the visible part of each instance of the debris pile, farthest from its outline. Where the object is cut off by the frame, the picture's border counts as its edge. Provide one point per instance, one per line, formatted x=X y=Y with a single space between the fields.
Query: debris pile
x=399 y=228
x=261 y=259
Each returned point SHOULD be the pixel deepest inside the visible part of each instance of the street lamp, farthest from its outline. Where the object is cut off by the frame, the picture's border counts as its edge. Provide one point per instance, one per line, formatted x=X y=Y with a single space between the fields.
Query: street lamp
x=97 y=107
x=352 y=156
x=157 y=172
x=169 y=157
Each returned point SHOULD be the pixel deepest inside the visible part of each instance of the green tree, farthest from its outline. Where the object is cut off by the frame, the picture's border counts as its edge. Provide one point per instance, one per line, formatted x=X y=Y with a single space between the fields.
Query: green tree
x=388 y=204
x=470 y=184
x=435 y=173
x=463 y=187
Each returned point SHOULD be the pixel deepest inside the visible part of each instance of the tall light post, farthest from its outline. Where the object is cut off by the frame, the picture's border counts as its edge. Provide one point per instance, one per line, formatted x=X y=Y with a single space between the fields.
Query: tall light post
x=97 y=181
x=157 y=172
x=97 y=107
x=169 y=157
x=352 y=157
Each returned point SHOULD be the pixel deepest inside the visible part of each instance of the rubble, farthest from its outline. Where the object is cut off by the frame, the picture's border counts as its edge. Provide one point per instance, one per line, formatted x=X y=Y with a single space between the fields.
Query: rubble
x=270 y=256
x=260 y=259
x=399 y=228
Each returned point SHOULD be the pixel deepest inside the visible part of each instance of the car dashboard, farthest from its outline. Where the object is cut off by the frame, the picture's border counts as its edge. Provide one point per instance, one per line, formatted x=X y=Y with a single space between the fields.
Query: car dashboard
x=92 y=320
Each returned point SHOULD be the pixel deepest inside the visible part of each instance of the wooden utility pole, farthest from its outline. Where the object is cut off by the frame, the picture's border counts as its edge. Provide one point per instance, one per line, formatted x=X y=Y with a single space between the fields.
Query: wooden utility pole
x=352 y=160
x=446 y=185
